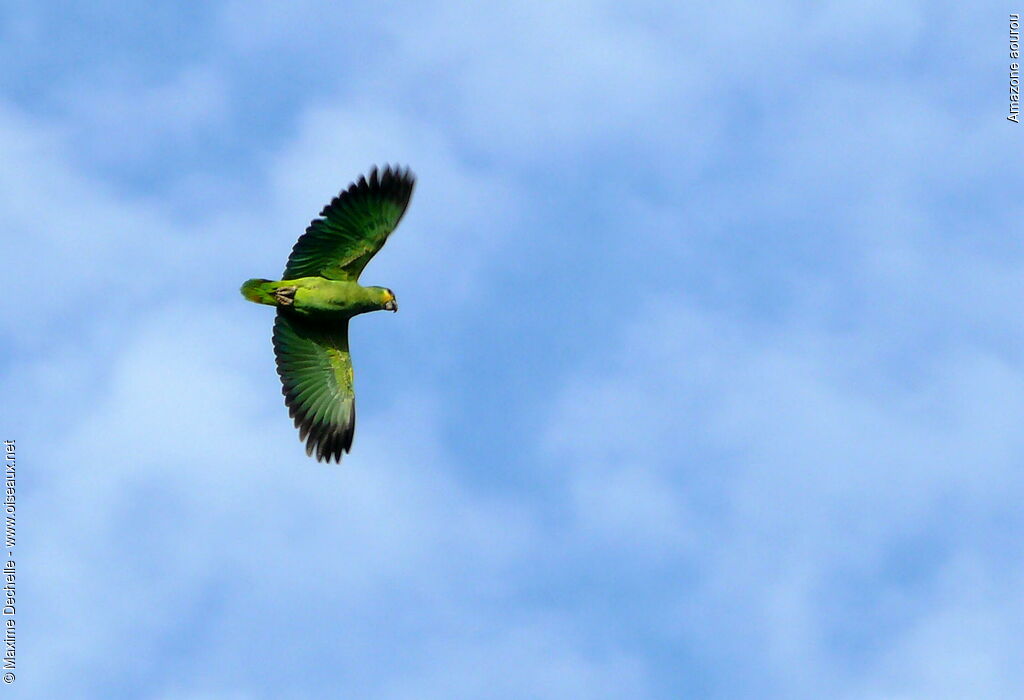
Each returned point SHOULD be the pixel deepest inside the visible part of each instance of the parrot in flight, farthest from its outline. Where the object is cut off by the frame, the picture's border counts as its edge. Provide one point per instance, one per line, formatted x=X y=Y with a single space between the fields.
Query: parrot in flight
x=318 y=293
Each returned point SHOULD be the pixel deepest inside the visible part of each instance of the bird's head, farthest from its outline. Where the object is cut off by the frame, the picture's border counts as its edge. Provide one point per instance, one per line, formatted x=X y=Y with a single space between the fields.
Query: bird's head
x=387 y=299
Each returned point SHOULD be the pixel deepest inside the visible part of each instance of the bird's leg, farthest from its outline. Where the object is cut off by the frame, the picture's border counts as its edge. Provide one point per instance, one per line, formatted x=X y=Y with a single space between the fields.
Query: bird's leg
x=285 y=295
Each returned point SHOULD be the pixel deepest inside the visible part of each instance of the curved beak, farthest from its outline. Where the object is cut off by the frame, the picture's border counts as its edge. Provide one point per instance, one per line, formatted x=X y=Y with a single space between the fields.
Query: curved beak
x=391 y=305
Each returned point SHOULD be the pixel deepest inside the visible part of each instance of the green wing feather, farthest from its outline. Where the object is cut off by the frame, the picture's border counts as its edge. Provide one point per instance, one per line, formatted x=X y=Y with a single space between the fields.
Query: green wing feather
x=316 y=373
x=353 y=227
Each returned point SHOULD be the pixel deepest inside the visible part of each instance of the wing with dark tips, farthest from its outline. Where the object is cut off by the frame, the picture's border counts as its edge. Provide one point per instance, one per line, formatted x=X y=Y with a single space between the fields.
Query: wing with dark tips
x=353 y=227
x=316 y=373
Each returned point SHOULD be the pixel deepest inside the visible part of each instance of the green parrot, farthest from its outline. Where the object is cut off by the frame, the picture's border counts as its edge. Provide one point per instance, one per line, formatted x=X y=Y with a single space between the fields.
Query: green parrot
x=317 y=296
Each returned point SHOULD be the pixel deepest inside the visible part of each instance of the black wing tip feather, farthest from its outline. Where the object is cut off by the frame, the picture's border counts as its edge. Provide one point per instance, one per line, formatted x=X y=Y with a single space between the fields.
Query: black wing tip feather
x=393 y=181
x=388 y=177
x=329 y=442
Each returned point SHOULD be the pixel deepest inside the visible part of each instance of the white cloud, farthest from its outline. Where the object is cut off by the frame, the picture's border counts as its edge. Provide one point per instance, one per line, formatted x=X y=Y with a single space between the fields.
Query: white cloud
x=536 y=658
x=121 y=121
x=791 y=470
x=965 y=646
x=532 y=86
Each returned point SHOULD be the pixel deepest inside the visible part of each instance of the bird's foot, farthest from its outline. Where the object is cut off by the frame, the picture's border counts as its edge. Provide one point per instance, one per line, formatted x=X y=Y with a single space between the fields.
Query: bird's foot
x=285 y=296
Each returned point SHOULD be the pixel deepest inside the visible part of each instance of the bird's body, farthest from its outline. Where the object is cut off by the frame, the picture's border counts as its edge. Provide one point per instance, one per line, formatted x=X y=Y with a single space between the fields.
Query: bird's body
x=316 y=298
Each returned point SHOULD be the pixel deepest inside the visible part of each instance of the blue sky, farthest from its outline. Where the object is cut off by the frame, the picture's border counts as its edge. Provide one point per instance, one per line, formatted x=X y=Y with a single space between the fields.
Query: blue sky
x=706 y=381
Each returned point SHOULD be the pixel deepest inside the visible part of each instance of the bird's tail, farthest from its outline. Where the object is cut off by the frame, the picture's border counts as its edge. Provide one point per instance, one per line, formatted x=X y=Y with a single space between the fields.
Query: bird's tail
x=259 y=291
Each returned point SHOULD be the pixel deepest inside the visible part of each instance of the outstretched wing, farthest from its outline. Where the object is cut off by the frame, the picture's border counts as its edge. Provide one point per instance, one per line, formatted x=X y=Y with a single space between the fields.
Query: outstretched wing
x=316 y=374
x=353 y=227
